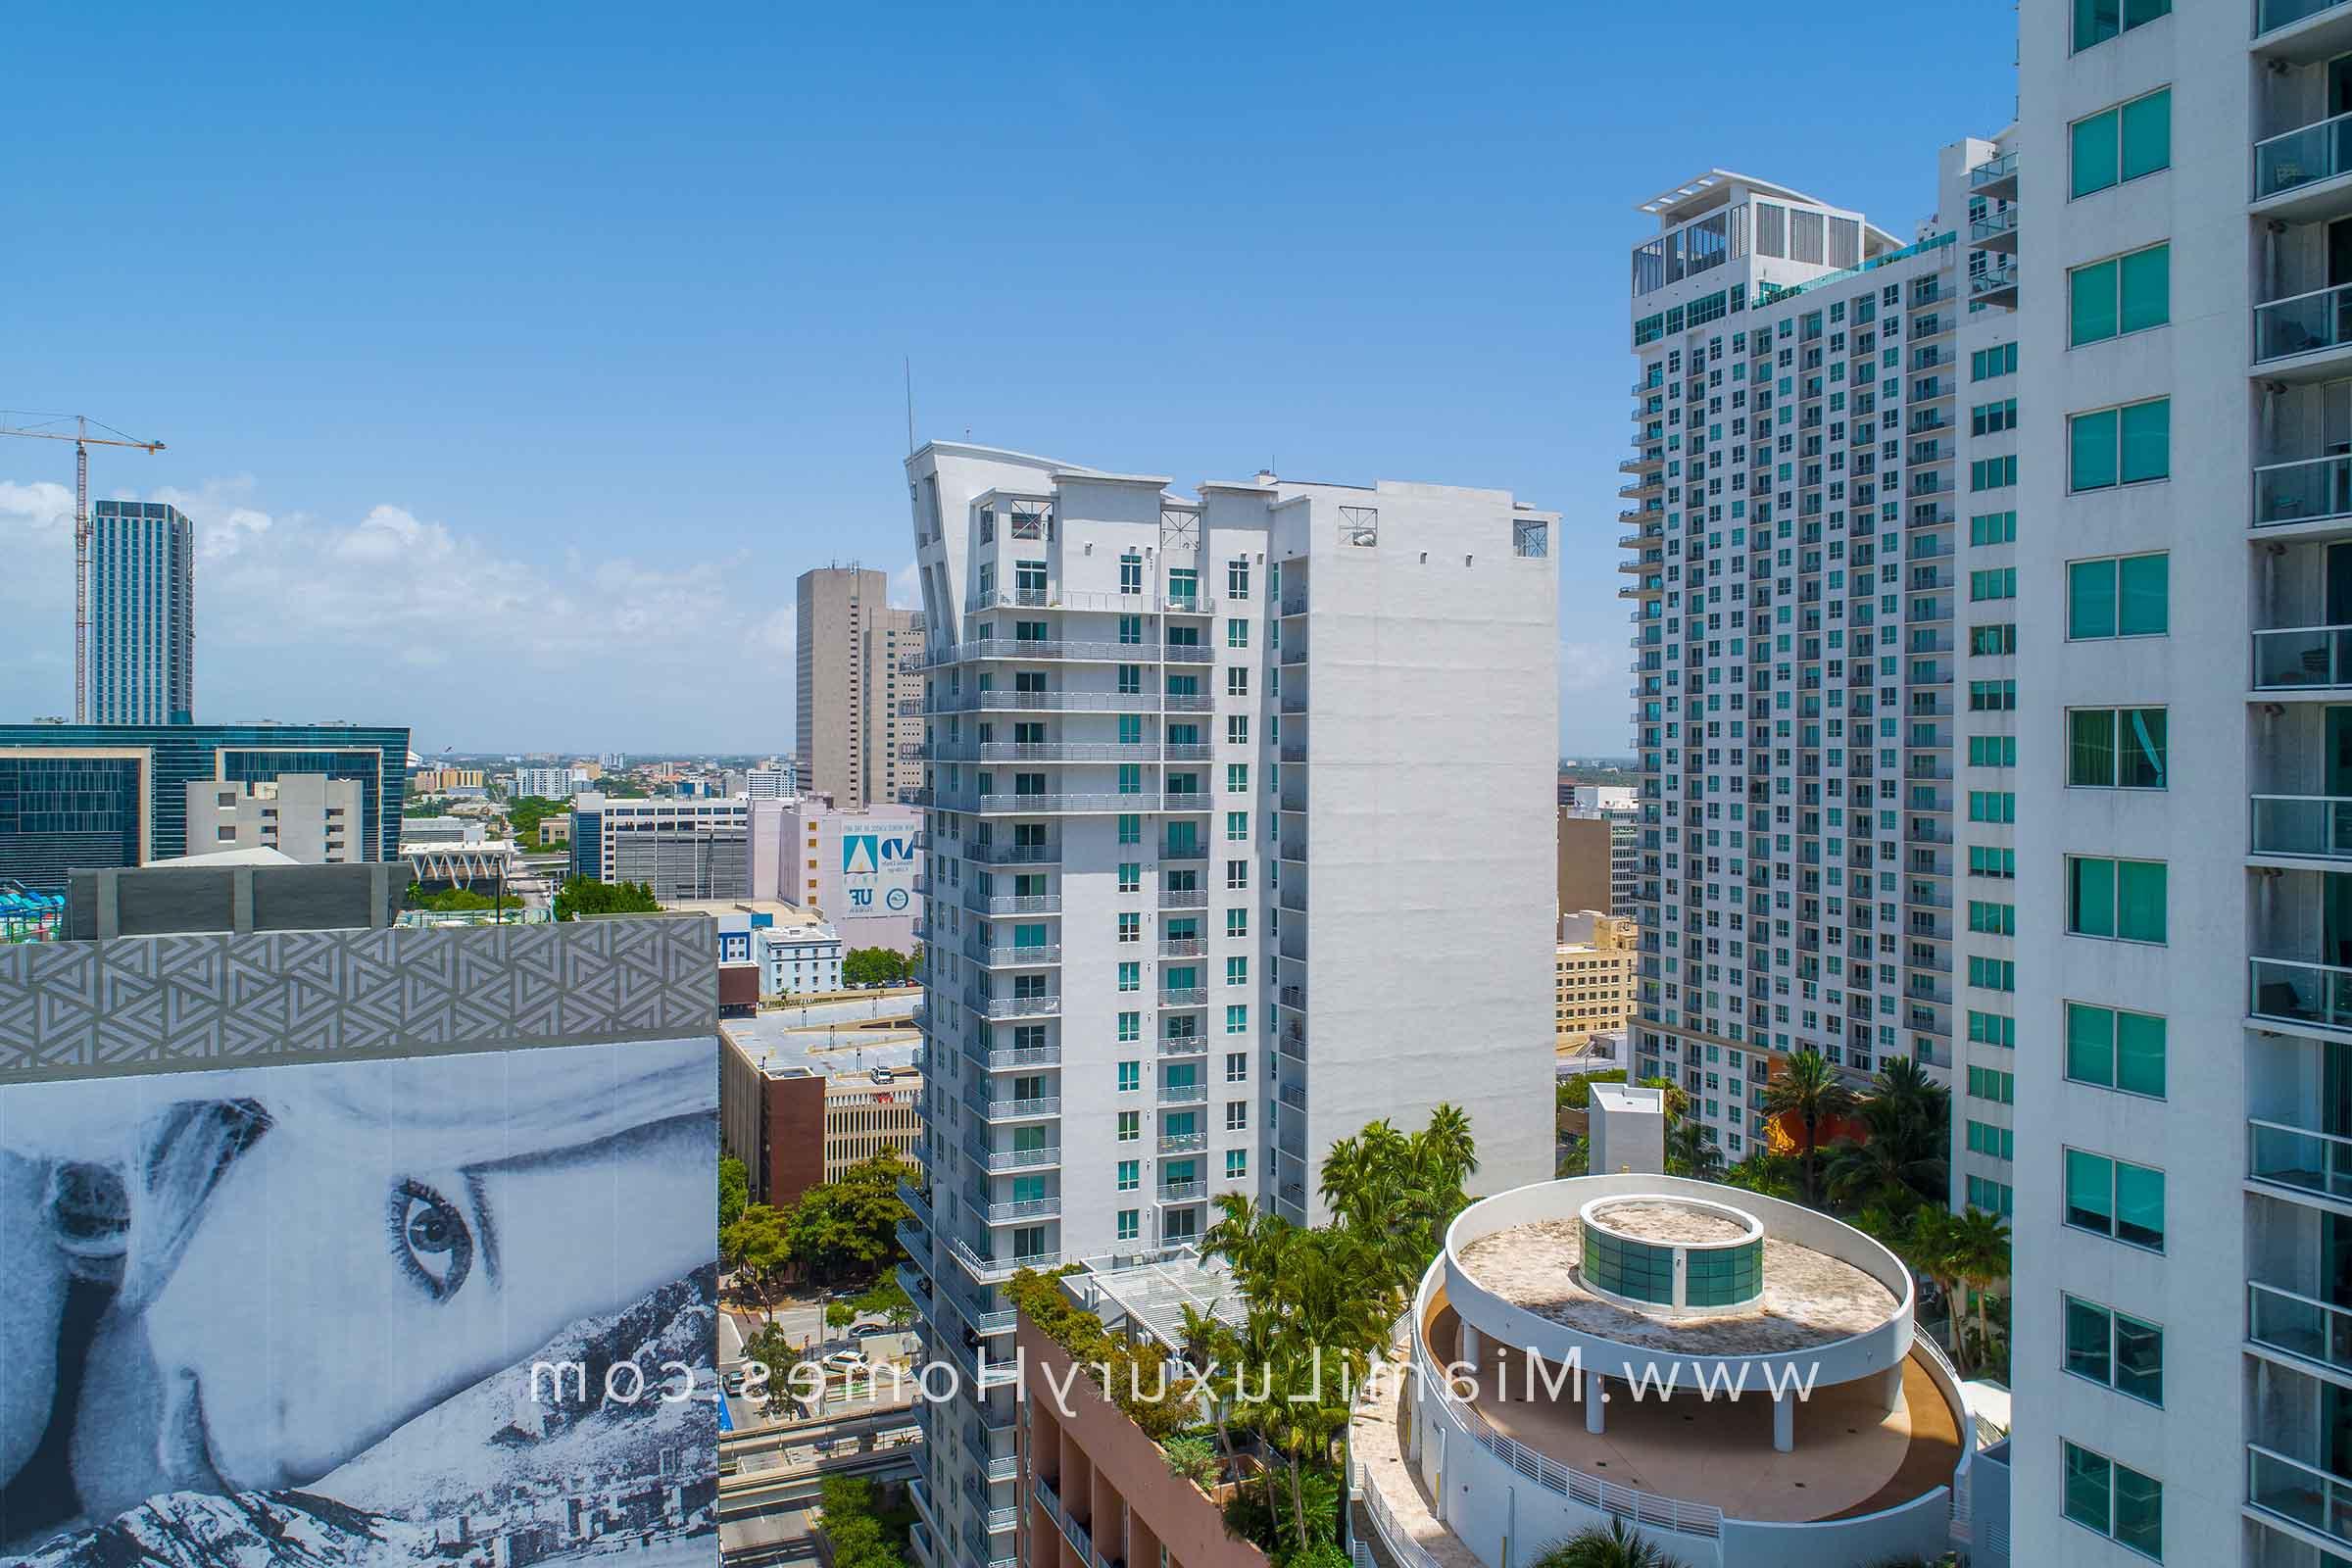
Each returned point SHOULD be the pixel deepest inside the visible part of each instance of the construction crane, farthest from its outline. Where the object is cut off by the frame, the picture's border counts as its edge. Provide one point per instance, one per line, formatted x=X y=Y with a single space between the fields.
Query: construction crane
x=49 y=427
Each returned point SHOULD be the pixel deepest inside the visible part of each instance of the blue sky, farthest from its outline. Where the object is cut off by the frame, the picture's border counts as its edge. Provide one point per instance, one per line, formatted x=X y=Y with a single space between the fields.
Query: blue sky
x=514 y=360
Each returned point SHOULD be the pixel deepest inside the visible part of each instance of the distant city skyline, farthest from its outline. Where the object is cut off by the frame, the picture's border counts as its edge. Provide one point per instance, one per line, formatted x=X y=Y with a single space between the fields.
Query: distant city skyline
x=444 y=384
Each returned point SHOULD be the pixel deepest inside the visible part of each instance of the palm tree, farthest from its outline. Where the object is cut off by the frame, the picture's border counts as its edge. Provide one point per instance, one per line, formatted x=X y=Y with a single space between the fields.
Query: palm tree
x=1811 y=1087
x=1979 y=1259
x=1930 y=1244
x=1614 y=1547
x=1691 y=1151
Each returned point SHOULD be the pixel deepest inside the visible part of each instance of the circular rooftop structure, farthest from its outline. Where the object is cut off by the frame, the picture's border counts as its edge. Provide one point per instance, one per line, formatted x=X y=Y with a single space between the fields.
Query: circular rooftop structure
x=1734 y=1374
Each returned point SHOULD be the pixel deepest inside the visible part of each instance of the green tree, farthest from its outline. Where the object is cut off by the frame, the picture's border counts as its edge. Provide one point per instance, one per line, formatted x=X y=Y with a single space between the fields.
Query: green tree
x=873 y=967
x=888 y=1301
x=854 y=1524
x=1576 y=1093
x=1617 y=1546
x=759 y=1244
x=734 y=1190
x=849 y=1226
x=525 y=815
x=1980 y=1261
x=585 y=896
x=1691 y=1152
x=1811 y=1089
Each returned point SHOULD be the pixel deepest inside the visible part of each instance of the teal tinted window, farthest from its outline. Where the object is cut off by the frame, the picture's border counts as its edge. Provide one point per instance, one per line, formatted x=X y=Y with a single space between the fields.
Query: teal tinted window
x=1724 y=1276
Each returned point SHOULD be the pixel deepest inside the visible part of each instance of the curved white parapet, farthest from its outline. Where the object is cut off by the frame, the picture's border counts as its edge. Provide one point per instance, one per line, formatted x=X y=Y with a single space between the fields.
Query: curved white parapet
x=1860 y=1355
x=1490 y=1490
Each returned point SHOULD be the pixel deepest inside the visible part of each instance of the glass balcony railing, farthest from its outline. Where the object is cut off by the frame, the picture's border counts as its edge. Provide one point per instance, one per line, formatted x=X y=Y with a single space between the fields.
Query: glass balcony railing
x=1993 y=172
x=2292 y=990
x=2299 y=1157
x=2299 y=1492
x=2315 y=825
x=2303 y=323
x=2299 y=1325
x=2271 y=15
x=2302 y=491
x=2315 y=152
x=2302 y=656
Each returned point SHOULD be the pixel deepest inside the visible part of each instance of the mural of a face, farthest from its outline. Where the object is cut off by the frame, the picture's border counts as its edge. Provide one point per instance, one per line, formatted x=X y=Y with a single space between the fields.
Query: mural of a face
x=32 y=1299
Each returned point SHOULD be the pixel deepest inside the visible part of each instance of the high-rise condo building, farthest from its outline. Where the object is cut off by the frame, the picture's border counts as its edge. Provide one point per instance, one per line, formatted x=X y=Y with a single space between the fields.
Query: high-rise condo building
x=142 y=613
x=1236 y=818
x=1824 y=493
x=851 y=679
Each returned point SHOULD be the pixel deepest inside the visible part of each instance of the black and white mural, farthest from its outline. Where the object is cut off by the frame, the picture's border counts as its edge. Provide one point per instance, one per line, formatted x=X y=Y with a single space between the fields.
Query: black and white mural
x=452 y=1310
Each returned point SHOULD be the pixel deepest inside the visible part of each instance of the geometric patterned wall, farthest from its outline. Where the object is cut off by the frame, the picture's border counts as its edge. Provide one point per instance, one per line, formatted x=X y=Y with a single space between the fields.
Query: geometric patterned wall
x=78 y=1010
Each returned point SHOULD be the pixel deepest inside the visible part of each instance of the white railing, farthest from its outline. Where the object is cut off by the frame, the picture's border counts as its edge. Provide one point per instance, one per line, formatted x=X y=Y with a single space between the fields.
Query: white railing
x=1403 y=1549
x=1607 y=1497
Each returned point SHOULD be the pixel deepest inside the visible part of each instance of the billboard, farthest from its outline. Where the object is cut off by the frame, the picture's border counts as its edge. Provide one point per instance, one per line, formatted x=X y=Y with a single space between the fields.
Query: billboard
x=877 y=869
x=456 y=1309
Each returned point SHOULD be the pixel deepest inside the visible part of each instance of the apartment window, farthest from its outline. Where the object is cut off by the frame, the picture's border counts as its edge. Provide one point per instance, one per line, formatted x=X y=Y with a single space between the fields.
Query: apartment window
x=1237 y=729
x=1130 y=1224
x=1237 y=1115
x=1993 y=920
x=1130 y=1077
x=1992 y=750
x=2115 y=748
x=1237 y=681
x=1237 y=1018
x=1131 y=629
x=1237 y=875
x=1993 y=1030
x=1131 y=976
x=1131 y=1024
x=1993 y=641
x=2119 y=596
x=1992 y=473
x=1237 y=632
x=1997 y=1142
x=2116 y=1199
x=2123 y=294
x=1998 y=584
x=1237 y=778
x=1992 y=529
x=1994 y=1198
x=1131 y=1126
x=1986 y=1083
x=1131 y=927
x=1991 y=696
x=1991 y=974
x=1991 y=805
x=1131 y=876
x=2121 y=900
x=1131 y=1175
x=1985 y=860
x=2129 y=445
x=2110 y=1347
x=1131 y=573
x=1236 y=970
x=1236 y=1162
x=1992 y=419
x=1237 y=923
x=1236 y=827
x=1131 y=828
x=2112 y=1048
x=1985 y=363
x=1131 y=680
x=1237 y=579
x=2116 y=1500
x=2122 y=143
x=1236 y=1066
x=2097 y=21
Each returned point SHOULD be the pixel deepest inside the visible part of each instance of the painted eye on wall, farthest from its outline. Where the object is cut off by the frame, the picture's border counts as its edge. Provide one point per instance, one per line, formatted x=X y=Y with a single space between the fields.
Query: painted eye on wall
x=430 y=1240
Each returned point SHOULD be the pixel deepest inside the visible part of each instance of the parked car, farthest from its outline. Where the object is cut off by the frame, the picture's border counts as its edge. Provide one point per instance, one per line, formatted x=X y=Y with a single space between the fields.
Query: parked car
x=845 y=1361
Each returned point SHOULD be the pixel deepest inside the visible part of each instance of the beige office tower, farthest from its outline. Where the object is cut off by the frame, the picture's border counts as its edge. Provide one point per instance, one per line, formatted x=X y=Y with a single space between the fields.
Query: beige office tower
x=848 y=682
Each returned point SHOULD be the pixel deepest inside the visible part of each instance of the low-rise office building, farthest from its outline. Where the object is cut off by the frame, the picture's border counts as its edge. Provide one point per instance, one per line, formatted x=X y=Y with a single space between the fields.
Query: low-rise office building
x=308 y=817
x=801 y=1107
x=1593 y=973
x=681 y=849
x=858 y=870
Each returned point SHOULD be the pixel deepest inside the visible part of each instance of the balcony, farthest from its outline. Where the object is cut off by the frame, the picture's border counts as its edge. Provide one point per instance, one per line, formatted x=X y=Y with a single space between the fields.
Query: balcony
x=996 y=1159
x=1000 y=1110
x=1995 y=232
x=1185 y=1045
x=1183 y=1192
x=1027 y=1209
x=1996 y=177
x=2304 y=826
x=1995 y=285
x=2310 y=1162
x=2298 y=1493
x=2295 y=659
x=1013 y=903
x=1183 y=899
x=1172 y=850
x=1184 y=996
x=987 y=853
x=2298 y=1325
x=2304 y=334
x=2303 y=490
x=1044 y=1007
x=1030 y=957
x=1062 y=805
x=1183 y=1093
x=2292 y=990
x=1183 y=1143
x=1180 y=946
x=2299 y=175
x=981 y=1266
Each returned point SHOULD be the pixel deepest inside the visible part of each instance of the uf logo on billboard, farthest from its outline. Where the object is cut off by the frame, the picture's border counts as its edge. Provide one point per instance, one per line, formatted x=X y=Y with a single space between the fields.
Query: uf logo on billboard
x=877 y=868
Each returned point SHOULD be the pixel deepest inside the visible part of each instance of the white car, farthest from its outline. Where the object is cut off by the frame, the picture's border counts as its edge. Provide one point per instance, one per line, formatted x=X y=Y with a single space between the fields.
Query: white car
x=845 y=1361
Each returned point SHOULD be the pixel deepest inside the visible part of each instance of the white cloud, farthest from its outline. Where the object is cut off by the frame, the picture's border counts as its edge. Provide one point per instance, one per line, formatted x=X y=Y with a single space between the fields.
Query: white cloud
x=408 y=619
x=906 y=586
x=1591 y=666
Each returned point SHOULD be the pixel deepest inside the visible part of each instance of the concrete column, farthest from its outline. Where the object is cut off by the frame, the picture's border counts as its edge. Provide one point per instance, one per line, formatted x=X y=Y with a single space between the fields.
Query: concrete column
x=1471 y=1346
x=1594 y=1398
x=1783 y=1422
x=1893 y=1392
